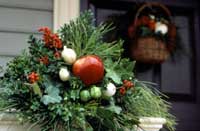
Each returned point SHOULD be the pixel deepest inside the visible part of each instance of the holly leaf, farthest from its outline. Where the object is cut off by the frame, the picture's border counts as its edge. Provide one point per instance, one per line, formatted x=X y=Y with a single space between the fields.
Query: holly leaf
x=52 y=95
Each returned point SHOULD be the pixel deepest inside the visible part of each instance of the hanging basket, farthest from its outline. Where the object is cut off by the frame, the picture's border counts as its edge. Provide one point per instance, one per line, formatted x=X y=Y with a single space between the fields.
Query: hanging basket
x=151 y=49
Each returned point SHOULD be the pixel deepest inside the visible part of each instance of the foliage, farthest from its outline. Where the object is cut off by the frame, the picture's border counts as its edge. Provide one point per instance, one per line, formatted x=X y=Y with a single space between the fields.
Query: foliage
x=118 y=71
x=52 y=95
x=31 y=84
x=85 y=39
x=144 y=102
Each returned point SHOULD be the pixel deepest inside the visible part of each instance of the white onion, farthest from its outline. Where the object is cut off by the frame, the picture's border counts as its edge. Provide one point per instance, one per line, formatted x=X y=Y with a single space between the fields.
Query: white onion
x=64 y=74
x=69 y=55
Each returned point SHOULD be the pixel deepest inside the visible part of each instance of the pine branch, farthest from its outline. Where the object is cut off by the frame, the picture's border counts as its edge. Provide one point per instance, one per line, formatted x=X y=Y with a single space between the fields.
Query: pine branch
x=85 y=39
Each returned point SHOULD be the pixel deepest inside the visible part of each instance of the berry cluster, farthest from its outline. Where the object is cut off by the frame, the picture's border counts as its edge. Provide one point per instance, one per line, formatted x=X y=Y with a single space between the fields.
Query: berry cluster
x=33 y=77
x=44 y=60
x=51 y=40
x=126 y=85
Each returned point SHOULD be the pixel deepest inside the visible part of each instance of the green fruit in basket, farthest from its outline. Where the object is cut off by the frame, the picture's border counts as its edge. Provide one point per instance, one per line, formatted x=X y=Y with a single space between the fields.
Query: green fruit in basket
x=85 y=95
x=95 y=92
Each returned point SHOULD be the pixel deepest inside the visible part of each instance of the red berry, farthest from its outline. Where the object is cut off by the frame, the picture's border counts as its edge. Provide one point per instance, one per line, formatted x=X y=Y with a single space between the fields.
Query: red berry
x=33 y=77
x=122 y=90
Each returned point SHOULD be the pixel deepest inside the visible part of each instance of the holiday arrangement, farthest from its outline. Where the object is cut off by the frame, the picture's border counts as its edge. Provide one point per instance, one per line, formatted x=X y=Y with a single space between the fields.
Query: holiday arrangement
x=152 y=33
x=73 y=80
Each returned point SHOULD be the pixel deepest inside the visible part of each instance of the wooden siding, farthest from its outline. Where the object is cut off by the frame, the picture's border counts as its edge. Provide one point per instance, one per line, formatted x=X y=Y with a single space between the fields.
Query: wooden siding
x=19 y=19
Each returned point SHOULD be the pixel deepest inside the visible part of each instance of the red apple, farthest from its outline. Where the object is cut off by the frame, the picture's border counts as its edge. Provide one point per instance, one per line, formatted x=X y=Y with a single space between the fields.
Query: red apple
x=89 y=69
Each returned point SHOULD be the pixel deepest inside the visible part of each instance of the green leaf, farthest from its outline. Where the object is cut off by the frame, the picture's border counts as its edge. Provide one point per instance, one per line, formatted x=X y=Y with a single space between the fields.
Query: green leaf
x=74 y=94
x=125 y=68
x=113 y=75
x=104 y=113
x=36 y=89
x=114 y=108
x=107 y=117
x=52 y=95
x=109 y=124
x=118 y=71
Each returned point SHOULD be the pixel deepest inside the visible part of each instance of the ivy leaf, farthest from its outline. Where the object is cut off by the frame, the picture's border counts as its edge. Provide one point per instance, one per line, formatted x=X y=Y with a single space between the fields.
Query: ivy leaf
x=52 y=95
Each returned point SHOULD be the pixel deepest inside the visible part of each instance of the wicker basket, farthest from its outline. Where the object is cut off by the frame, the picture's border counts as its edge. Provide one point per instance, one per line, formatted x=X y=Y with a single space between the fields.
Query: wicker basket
x=150 y=49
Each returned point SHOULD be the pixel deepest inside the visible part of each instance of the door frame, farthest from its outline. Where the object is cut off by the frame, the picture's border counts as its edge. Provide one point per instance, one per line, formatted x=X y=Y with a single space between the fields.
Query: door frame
x=64 y=11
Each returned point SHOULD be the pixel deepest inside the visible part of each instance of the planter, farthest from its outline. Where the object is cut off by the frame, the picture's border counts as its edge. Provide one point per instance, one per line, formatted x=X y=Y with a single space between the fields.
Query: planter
x=9 y=122
x=151 y=123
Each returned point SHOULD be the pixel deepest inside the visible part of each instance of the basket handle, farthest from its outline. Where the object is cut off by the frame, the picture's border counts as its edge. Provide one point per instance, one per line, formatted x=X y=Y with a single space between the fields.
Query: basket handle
x=150 y=5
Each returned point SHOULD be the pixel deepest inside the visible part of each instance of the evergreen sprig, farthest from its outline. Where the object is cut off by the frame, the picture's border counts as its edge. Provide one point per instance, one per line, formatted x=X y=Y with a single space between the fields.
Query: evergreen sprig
x=147 y=103
x=85 y=39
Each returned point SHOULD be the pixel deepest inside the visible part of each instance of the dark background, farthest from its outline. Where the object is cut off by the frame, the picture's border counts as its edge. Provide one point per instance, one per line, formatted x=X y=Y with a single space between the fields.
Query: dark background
x=178 y=78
